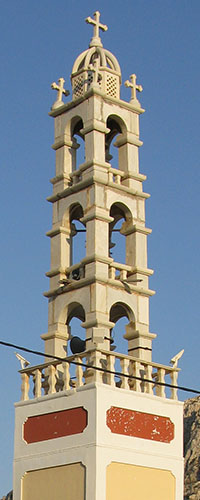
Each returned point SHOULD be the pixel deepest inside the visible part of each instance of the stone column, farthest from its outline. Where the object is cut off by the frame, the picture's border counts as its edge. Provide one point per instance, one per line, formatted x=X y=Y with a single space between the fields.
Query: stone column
x=65 y=148
x=139 y=341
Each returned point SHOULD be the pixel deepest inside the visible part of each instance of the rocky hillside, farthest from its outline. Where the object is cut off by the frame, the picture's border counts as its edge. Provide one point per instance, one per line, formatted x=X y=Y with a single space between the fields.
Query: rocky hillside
x=192 y=448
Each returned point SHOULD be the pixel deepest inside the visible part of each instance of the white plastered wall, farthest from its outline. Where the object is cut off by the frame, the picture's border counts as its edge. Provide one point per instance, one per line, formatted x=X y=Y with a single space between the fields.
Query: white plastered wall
x=96 y=447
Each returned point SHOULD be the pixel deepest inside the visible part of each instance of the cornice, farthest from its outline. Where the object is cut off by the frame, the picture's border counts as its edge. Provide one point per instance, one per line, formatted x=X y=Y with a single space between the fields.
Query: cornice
x=92 y=180
x=92 y=92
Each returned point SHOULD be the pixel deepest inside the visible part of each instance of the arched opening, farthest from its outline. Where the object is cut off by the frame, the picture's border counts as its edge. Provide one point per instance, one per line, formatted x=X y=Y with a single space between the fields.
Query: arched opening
x=117 y=240
x=116 y=126
x=79 y=142
x=77 y=235
x=75 y=316
x=121 y=315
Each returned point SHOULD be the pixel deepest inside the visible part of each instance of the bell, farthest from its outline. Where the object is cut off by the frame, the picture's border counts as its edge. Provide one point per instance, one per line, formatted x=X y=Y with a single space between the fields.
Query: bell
x=76 y=274
x=77 y=345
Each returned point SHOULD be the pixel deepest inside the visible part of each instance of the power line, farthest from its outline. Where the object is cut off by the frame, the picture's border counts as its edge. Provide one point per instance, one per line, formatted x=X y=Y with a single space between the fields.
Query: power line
x=105 y=370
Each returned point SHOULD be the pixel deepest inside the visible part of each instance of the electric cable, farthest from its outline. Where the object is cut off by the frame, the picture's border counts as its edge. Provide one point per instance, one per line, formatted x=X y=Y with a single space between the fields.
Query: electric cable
x=98 y=368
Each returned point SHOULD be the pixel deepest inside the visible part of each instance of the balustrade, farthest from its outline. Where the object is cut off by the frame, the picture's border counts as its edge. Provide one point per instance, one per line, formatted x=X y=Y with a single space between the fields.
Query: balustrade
x=119 y=271
x=114 y=369
x=115 y=175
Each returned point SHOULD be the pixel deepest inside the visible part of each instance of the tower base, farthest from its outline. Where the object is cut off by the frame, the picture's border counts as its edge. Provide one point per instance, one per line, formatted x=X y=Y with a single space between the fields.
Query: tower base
x=98 y=443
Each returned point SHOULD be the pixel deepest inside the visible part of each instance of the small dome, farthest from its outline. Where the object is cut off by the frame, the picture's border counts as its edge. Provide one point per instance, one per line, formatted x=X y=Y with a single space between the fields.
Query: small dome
x=106 y=59
x=96 y=66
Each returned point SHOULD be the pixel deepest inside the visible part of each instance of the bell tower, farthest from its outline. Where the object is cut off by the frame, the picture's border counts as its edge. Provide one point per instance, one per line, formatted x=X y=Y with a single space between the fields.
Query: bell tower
x=97 y=289
x=106 y=428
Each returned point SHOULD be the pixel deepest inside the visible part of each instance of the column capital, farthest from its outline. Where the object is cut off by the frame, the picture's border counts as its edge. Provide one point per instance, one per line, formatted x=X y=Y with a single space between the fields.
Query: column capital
x=97 y=213
x=135 y=228
x=128 y=137
x=94 y=124
x=64 y=140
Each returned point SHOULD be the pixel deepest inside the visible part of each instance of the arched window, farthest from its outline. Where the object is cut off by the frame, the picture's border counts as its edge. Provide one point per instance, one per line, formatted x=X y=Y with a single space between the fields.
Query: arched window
x=75 y=316
x=116 y=126
x=79 y=143
x=121 y=315
x=77 y=236
x=117 y=241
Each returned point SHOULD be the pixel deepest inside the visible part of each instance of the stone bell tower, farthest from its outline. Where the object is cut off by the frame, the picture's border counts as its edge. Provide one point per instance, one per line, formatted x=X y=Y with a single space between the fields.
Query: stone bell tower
x=103 y=429
x=98 y=195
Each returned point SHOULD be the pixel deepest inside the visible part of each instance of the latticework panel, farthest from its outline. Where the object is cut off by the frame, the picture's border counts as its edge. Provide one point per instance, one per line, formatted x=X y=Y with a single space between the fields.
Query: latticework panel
x=111 y=85
x=78 y=86
x=90 y=79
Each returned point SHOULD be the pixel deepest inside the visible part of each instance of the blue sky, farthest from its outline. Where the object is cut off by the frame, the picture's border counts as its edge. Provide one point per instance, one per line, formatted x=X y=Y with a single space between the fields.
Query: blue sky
x=159 y=41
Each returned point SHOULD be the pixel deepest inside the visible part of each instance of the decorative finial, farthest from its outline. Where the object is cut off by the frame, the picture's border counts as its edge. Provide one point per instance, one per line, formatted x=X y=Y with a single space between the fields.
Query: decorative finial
x=134 y=87
x=60 y=88
x=96 y=40
x=175 y=359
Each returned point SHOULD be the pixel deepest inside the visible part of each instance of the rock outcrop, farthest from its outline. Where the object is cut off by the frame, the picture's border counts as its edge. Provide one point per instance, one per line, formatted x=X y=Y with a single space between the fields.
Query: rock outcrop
x=192 y=448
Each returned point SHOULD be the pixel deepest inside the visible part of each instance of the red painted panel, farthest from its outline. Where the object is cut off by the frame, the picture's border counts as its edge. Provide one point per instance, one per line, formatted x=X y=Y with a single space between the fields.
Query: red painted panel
x=55 y=425
x=138 y=424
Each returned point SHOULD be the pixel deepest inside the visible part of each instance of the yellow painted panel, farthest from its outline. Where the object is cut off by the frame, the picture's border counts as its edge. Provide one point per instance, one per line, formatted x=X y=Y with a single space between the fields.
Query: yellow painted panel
x=66 y=482
x=138 y=483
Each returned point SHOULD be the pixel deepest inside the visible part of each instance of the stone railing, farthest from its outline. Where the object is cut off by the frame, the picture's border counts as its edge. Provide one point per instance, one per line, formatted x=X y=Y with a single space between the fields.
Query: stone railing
x=119 y=271
x=115 y=175
x=95 y=365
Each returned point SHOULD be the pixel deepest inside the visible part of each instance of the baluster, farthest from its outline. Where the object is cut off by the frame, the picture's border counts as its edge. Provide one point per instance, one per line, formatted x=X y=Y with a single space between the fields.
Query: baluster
x=112 y=273
x=52 y=379
x=117 y=179
x=66 y=376
x=110 y=177
x=131 y=382
x=123 y=274
x=37 y=383
x=134 y=369
x=24 y=387
x=160 y=389
x=79 y=373
x=96 y=359
x=88 y=373
x=110 y=366
x=174 y=380
x=148 y=375
x=136 y=373
x=124 y=367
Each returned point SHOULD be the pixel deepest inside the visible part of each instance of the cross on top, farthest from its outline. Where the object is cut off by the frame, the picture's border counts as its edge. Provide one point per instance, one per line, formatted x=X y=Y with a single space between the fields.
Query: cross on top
x=61 y=91
x=134 y=86
x=96 y=41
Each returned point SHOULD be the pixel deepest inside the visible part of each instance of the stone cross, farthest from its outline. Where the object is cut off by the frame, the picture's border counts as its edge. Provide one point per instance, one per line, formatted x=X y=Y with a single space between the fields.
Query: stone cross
x=134 y=86
x=61 y=91
x=96 y=41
